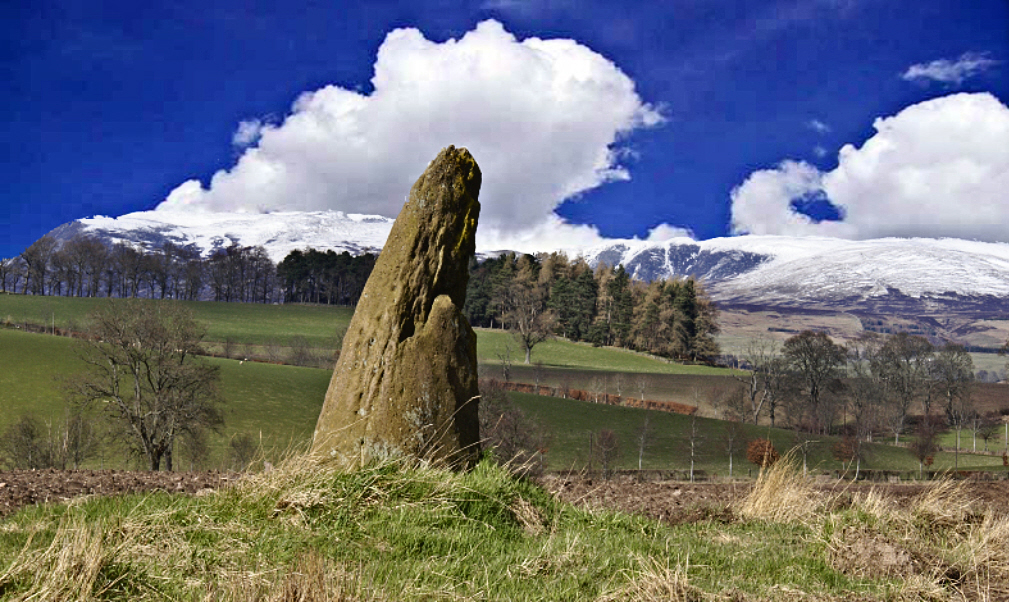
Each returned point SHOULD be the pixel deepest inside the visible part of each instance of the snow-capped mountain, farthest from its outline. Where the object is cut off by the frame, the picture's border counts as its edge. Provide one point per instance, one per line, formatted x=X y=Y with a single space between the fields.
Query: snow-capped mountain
x=279 y=233
x=885 y=275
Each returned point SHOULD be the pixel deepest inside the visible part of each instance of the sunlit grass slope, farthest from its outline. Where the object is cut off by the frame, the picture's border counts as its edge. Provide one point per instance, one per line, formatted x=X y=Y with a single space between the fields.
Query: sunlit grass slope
x=252 y=323
x=493 y=345
x=279 y=403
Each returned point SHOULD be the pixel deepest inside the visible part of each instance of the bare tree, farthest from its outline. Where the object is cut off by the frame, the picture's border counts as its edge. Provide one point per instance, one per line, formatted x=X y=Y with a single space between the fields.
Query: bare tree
x=515 y=440
x=37 y=258
x=142 y=370
x=606 y=448
x=693 y=439
x=598 y=388
x=642 y=380
x=816 y=361
x=762 y=377
x=505 y=357
x=925 y=444
x=865 y=393
x=733 y=439
x=903 y=365
x=953 y=370
x=527 y=316
x=643 y=436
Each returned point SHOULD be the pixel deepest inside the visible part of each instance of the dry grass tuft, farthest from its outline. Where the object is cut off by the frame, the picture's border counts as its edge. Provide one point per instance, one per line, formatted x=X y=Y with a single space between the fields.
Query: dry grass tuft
x=941 y=546
x=528 y=516
x=656 y=582
x=945 y=504
x=79 y=564
x=312 y=578
x=781 y=494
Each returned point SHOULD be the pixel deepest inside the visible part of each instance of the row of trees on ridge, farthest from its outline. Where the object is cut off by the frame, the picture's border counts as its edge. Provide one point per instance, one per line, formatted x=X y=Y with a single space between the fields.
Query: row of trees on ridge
x=537 y=297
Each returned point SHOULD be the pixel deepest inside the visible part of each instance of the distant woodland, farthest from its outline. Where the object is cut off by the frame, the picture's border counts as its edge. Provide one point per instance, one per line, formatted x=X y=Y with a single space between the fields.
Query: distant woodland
x=533 y=296
x=87 y=267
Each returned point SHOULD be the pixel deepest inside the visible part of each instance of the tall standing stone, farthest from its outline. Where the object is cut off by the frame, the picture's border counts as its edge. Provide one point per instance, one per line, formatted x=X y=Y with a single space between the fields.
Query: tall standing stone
x=406 y=380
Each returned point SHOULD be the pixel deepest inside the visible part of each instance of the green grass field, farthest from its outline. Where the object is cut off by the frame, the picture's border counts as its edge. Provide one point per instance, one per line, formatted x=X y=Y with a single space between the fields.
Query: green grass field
x=278 y=405
x=244 y=323
x=493 y=345
x=571 y=422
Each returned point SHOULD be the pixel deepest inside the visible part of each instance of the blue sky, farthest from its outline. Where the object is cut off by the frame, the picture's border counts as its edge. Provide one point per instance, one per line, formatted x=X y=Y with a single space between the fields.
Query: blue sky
x=711 y=117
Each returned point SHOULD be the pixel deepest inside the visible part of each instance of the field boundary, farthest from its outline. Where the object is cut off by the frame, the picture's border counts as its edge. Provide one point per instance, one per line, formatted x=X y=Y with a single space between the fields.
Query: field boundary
x=563 y=392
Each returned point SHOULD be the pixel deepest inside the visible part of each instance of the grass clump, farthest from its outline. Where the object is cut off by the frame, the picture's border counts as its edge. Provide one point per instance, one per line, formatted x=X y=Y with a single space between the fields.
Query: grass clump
x=781 y=494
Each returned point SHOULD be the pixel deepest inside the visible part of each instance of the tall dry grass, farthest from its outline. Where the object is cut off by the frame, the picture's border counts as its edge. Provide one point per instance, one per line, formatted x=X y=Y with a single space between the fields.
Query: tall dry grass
x=781 y=494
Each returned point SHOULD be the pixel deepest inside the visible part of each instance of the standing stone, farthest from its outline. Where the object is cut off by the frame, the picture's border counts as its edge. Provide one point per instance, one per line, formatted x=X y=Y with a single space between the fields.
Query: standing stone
x=406 y=380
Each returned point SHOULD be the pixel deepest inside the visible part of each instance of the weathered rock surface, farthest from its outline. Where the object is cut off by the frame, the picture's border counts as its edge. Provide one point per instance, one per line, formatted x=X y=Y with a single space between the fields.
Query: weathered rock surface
x=406 y=380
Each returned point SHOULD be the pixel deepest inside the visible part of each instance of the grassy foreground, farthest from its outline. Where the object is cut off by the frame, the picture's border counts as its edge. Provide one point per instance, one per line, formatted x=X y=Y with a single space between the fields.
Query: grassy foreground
x=394 y=531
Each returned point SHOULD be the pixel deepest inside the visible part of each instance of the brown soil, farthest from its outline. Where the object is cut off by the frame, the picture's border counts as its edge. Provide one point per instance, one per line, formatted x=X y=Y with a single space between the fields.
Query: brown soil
x=25 y=487
x=676 y=502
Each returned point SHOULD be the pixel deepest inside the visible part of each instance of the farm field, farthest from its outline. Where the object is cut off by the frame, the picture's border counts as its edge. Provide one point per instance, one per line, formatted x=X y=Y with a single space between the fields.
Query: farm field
x=278 y=405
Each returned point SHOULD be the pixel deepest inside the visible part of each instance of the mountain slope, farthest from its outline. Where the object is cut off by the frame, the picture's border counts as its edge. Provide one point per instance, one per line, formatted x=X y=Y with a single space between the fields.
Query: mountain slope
x=279 y=233
x=885 y=275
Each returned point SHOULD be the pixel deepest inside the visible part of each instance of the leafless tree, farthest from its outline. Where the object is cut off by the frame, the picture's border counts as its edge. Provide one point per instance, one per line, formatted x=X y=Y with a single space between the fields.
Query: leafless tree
x=816 y=360
x=598 y=388
x=242 y=449
x=527 y=316
x=953 y=370
x=733 y=440
x=643 y=436
x=903 y=365
x=801 y=442
x=864 y=391
x=762 y=377
x=925 y=444
x=505 y=357
x=515 y=440
x=539 y=371
x=37 y=258
x=641 y=380
x=692 y=442
x=141 y=369
x=606 y=448
x=11 y=271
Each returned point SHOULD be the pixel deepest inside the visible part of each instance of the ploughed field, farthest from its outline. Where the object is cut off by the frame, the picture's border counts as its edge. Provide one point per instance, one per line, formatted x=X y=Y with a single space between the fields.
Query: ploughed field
x=679 y=502
x=19 y=488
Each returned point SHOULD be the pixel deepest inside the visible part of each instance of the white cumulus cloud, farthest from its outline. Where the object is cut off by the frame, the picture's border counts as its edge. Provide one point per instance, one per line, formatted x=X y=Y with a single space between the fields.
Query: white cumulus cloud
x=950 y=72
x=544 y=119
x=939 y=168
x=248 y=133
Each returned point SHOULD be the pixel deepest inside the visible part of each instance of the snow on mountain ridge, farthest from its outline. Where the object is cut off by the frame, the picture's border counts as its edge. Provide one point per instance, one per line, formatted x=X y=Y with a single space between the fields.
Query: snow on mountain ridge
x=279 y=233
x=743 y=269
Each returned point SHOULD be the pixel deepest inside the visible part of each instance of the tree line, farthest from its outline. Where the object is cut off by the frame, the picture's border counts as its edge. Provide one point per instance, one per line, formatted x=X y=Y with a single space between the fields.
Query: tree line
x=546 y=295
x=871 y=385
x=535 y=297
x=84 y=266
